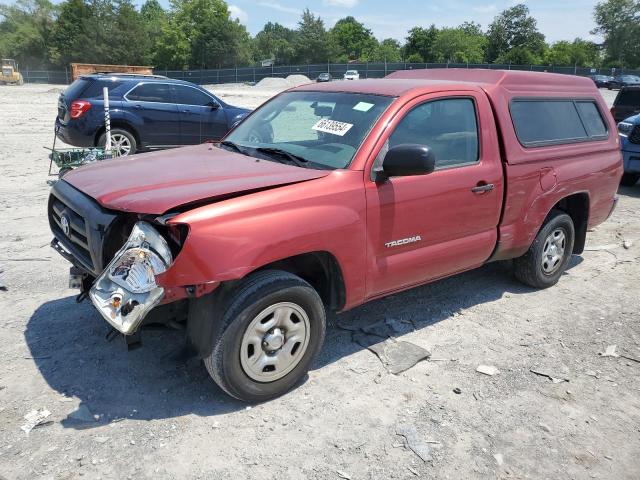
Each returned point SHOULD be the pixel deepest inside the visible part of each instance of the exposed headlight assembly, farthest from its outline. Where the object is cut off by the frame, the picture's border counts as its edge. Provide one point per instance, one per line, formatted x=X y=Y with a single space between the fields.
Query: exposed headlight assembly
x=126 y=291
x=625 y=128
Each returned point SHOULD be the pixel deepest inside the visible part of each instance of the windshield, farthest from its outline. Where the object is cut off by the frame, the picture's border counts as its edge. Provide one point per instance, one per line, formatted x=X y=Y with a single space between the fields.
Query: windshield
x=321 y=129
x=352 y=72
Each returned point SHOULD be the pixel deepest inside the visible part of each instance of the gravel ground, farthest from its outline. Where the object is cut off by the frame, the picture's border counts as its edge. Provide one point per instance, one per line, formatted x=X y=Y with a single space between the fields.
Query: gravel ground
x=145 y=414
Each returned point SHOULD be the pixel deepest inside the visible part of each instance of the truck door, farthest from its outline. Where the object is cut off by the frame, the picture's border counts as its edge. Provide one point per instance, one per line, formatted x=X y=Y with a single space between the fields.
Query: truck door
x=201 y=116
x=420 y=228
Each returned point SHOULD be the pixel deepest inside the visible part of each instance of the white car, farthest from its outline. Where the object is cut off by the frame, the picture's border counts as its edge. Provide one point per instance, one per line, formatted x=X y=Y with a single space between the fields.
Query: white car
x=351 y=75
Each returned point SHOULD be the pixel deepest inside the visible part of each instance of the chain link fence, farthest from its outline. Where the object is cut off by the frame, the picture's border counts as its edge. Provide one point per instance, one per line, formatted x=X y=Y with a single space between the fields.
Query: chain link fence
x=337 y=70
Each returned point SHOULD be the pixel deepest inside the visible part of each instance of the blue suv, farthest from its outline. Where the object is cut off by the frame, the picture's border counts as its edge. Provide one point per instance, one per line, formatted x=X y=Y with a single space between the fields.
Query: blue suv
x=630 y=142
x=147 y=112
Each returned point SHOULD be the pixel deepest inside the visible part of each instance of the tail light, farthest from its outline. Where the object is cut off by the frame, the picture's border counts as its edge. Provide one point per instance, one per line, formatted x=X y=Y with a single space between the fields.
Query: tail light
x=79 y=108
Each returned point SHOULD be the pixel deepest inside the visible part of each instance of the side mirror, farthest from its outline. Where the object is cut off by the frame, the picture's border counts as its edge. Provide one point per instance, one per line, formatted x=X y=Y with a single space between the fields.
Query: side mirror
x=406 y=160
x=214 y=105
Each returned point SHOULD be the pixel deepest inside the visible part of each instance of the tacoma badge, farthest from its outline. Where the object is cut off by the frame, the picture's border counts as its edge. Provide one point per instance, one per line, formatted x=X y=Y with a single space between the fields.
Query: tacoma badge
x=404 y=241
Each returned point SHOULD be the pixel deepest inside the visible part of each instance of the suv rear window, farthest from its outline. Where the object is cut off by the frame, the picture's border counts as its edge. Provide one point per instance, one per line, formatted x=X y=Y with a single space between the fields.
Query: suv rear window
x=628 y=96
x=74 y=90
x=540 y=122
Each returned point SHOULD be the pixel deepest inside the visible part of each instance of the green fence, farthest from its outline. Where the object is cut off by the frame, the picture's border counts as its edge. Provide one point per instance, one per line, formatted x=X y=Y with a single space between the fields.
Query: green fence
x=337 y=70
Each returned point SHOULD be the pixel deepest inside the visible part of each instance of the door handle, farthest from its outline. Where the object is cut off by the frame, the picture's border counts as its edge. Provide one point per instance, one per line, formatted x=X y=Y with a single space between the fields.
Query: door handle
x=483 y=187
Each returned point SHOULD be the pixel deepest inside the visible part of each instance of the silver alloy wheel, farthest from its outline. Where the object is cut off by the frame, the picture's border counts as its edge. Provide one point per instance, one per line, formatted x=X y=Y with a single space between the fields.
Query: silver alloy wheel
x=120 y=144
x=274 y=342
x=553 y=251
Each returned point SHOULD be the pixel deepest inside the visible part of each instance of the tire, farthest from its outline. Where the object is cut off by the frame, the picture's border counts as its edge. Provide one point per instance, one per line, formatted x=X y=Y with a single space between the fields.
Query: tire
x=629 y=179
x=535 y=268
x=20 y=79
x=233 y=352
x=122 y=137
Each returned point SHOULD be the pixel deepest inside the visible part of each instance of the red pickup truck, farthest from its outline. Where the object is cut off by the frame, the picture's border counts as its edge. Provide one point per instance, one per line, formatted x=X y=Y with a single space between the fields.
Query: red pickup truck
x=331 y=195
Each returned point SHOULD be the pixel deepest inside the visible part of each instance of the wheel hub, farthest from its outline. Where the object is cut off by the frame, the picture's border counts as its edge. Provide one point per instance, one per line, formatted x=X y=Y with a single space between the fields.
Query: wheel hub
x=273 y=340
x=553 y=251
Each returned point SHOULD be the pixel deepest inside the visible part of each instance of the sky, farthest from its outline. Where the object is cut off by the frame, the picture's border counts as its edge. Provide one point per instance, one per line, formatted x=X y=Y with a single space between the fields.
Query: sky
x=557 y=19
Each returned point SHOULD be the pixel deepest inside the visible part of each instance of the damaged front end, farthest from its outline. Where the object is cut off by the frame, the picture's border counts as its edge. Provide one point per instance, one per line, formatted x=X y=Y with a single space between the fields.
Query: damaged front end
x=126 y=290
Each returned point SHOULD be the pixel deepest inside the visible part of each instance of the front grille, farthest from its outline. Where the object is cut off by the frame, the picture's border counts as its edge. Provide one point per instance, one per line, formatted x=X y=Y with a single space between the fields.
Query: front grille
x=634 y=136
x=76 y=229
x=80 y=225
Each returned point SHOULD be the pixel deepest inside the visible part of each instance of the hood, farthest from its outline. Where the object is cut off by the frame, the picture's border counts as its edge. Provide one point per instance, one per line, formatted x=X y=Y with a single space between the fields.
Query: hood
x=157 y=182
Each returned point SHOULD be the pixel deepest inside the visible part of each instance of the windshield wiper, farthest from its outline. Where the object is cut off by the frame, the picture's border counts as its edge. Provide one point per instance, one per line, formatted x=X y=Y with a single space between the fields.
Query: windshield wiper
x=235 y=146
x=291 y=157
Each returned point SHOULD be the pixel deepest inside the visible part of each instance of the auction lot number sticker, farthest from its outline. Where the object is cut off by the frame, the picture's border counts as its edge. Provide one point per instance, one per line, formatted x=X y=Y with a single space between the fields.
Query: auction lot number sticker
x=332 y=126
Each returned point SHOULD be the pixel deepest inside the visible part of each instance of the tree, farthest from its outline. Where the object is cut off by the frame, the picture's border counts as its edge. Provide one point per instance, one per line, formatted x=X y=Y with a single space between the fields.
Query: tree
x=456 y=45
x=215 y=40
x=155 y=20
x=579 y=52
x=352 y=40
x=619 y=22
x=388 y=50
x=515 y=29
x=71 y=34
x=277 y=42
x=25 y=29
x=312 y=41
x=420 y=43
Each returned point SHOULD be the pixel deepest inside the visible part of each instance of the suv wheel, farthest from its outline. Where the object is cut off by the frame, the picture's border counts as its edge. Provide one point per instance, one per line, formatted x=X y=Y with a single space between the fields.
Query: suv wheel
x=272 y=330
x=549 y=254
x=122 y=141
x=629 y=179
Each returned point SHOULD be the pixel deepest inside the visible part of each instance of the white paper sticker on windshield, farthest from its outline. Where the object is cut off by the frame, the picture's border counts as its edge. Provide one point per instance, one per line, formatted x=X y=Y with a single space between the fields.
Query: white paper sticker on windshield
x=332 y=126
x=363 y=106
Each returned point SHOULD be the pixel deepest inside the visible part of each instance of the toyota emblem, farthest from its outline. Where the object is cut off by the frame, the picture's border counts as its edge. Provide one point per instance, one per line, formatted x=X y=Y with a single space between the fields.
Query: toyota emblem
x=64 y=223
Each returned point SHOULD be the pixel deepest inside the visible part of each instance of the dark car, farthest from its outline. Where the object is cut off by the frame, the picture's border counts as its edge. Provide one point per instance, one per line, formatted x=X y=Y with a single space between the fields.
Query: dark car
x=324 y=77
x=601 y=80
x=626 y=104
x=147 y=112
x=623 y=81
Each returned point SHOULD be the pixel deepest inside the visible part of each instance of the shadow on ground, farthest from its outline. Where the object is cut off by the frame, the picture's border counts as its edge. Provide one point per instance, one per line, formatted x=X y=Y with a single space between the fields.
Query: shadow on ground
x=68 y=343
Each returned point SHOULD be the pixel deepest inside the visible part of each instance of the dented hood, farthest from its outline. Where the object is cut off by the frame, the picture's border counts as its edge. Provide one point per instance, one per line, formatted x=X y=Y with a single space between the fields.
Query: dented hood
x=157 y=182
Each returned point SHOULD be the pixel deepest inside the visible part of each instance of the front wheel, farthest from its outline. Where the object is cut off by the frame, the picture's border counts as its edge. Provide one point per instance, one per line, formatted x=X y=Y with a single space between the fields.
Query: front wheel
x=272 y=330
x=629 y=179
x=549 y=254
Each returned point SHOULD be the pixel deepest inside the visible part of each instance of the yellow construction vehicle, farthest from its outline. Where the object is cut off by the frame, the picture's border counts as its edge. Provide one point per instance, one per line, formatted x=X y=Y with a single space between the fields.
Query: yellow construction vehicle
x=10 y=74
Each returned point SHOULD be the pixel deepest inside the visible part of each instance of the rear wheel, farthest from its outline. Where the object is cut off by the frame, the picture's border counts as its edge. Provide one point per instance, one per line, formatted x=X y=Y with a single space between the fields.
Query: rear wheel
x=629 y=179
x=549 y=254
x=272 y=330
x=122 y=141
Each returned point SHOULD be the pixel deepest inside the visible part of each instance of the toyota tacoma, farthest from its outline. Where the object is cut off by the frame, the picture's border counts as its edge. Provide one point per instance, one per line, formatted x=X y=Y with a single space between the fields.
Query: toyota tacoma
x=331 y=195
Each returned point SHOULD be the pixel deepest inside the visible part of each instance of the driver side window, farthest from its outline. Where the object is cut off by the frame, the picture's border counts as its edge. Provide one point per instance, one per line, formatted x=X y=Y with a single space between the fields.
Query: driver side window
x=448 y=127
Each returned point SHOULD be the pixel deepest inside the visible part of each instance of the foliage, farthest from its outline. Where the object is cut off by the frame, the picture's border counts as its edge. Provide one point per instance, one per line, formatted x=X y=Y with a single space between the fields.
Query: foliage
x=420 y=43
x=388 y=50
x=459 y=45
x=25 y=29
x=580 y=53
x=276 y=42
x=513 y=37
x=202 y=34
x=619 y=22
x=351 y=40
x=312 y=41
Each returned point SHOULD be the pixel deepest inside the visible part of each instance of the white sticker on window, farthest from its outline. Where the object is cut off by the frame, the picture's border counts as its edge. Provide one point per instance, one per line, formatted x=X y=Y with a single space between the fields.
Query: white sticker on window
x=363 y=106
x=332 y=126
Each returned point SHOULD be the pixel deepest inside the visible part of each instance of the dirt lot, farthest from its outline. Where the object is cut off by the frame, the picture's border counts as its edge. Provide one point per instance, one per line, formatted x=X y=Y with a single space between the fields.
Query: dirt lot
x=157 y=417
